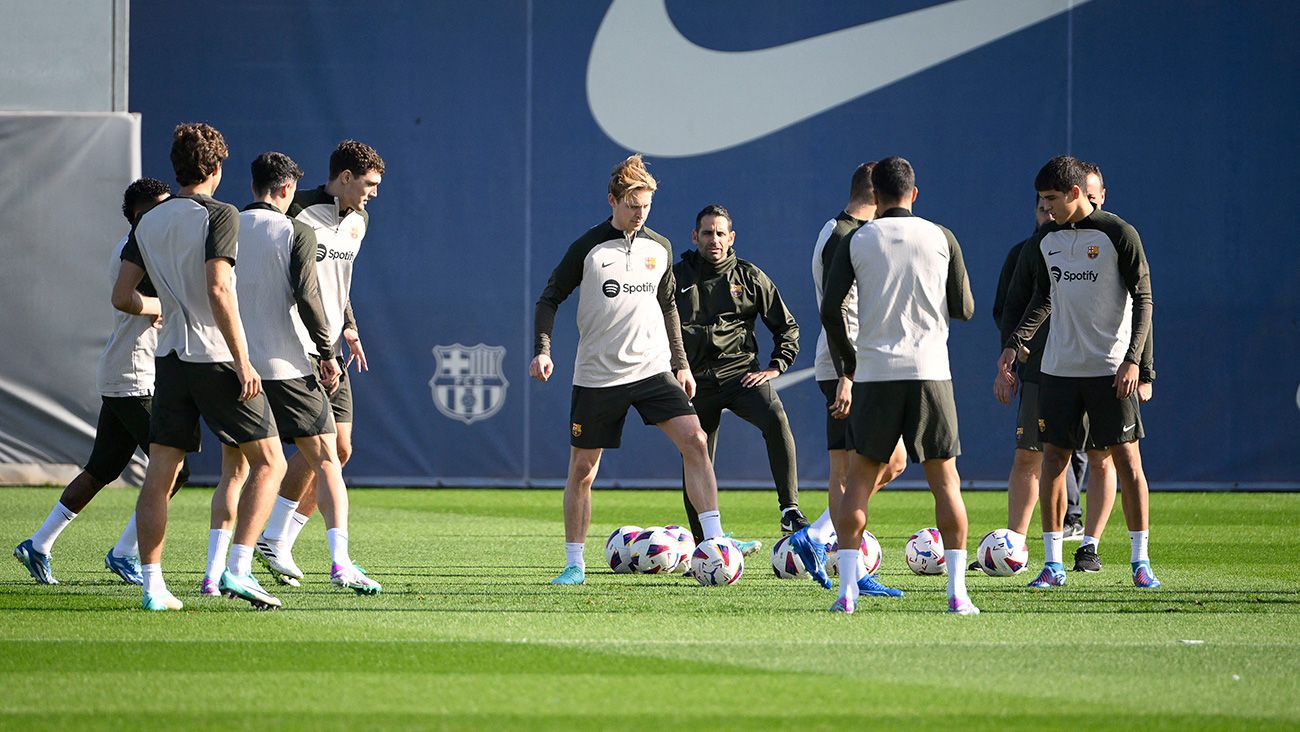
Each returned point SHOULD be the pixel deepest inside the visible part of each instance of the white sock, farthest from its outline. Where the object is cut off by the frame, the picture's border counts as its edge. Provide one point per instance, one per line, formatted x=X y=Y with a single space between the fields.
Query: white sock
x=338 y=541
x=241 y=560
x=153 y=579
x=1090 y=541
x=1052 y=546
x=573 y=554
x=711 y=522
x=956 y=561
x=56 y=522
x=1138 y=542
x=296 y=522
x=822 y=531
x=218 y=544
x=127 y=546
x=278 y=524
x=850 y=563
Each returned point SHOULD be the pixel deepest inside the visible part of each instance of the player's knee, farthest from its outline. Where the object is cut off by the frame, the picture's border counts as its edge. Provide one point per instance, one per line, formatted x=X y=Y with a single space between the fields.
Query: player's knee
x=695 y=445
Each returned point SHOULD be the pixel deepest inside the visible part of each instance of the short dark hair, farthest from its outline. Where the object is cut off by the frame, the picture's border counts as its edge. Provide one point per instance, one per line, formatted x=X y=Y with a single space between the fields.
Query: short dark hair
x=1092 y=169
x=198 y=149
x=893 y=179
x=1061 y=173
x=713 y=209
x=860 y=189
x=272 y=170
x=142 y=194
x=357 y=157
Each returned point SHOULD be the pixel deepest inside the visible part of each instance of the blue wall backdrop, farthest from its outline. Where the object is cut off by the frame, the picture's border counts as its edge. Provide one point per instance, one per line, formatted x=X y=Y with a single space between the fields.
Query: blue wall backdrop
x=496 y=162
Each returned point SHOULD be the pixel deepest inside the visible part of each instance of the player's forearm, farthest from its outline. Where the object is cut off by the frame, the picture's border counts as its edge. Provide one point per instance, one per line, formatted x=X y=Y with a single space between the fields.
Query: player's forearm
x=543 y=324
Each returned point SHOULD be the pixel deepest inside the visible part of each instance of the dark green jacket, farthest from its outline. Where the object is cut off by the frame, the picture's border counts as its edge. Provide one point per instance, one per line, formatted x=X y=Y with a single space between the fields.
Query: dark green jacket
x=718 y=306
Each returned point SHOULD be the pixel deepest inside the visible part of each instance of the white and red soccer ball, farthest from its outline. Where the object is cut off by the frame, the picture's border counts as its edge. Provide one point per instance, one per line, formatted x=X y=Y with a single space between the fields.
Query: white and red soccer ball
x=924 y=552
x=786 y=563
x=1002 y=553
x=655 y=551
x=686 y=547
x=717 y=562
x=871 y=555
x=618 y=548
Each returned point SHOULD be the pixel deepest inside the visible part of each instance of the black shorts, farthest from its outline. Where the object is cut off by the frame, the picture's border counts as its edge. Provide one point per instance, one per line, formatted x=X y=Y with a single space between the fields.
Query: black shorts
x=596 y=414
x=1064 y=402
x=837 y=430
x=1029 y=428
x=300 y=406
x=184 y=391
x=123 y=426
x=341 y=400
x=923 y=413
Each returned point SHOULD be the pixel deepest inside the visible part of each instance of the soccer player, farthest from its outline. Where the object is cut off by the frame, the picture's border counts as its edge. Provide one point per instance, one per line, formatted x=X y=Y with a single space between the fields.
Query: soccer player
x=911 y=280
x=186 y=246
x=125 y=377
x=278 y=255
x=1091 y=280
x=811 y=543
x=337 y=213
x=1096 y=464
x=719 y=296
x=629 y=350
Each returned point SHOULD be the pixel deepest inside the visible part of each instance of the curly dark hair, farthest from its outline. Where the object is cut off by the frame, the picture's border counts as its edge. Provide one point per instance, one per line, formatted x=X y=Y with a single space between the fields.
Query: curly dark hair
x=142 y=194
x=272 y=170
x=198 y=149
x=357 y=157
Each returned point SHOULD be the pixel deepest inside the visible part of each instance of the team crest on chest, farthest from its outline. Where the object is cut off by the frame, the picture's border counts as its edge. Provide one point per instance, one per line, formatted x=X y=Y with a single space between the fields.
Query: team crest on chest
x=1093 y=251
x=356 y=232
x=736 y=289
x=650 y=262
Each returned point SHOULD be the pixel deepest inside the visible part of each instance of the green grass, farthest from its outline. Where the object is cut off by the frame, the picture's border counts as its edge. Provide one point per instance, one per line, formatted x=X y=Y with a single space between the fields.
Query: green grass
x=469 y=634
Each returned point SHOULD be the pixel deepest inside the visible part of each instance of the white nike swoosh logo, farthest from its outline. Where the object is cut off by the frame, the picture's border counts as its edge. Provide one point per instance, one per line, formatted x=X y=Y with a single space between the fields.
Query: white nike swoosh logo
x=790 y=378
x=1126 y=429
x=684 y=289
x=770 y=89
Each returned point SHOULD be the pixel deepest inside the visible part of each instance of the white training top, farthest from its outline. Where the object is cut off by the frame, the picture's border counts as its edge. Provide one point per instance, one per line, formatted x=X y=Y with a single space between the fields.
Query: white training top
x=126 y=365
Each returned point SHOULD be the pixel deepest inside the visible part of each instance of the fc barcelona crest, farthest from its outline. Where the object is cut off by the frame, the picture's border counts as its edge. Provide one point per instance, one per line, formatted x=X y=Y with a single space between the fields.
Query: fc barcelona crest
x=650 y=262
x=1093 y=251
x=468 y=383
x=736 y=289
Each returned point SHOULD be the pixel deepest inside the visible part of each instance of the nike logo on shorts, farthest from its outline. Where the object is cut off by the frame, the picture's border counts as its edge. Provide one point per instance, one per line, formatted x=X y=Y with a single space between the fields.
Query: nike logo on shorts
x=1126 y=429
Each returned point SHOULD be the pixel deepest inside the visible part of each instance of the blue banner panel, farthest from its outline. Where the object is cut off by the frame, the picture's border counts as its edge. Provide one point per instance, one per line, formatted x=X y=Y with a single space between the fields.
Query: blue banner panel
x=499 y=123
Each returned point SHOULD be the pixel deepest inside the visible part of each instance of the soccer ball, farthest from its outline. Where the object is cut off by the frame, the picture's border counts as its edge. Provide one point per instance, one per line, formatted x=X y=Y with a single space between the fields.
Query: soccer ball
x=654 y=551
x=686 y=547
x=786 y=563
x=618 y=548
x=717 y=562
x=871 y=554
x=1002 y=553
x=924 y=552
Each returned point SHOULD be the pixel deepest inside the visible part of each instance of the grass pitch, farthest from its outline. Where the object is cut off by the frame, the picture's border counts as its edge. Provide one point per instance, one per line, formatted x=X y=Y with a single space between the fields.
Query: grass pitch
x=469 y=634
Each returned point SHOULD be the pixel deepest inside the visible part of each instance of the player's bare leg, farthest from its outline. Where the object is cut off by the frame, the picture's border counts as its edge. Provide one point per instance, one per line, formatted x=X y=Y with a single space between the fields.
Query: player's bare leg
x=950 y=519
x=225 y=504
x=861 y=481
x=266 y=469
x=1052 y=504
x=1023 y=488
x=319 y=452
x=1101 y=500
x=701 y=483
x=1134 y=497
x=151 y=523
x=583 y=464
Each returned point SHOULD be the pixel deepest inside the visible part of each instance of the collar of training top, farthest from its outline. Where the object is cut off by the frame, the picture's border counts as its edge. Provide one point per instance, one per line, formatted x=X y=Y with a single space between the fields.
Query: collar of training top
x=893 y=212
